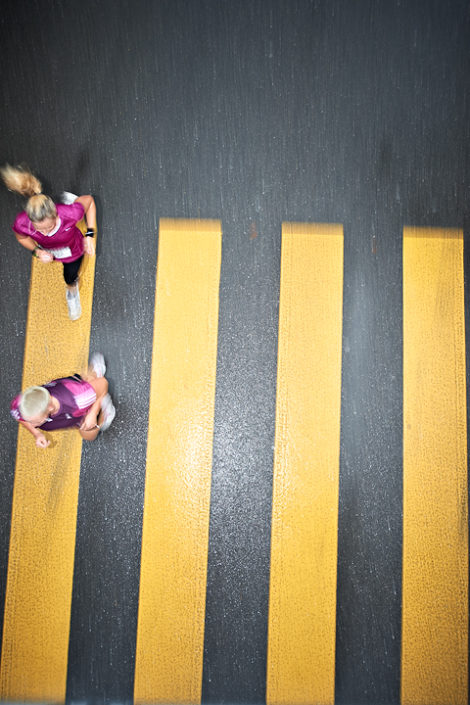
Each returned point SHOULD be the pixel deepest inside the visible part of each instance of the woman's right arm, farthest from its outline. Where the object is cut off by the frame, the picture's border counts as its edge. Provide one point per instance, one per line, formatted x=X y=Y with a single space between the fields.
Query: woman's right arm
x=31 y=245
x=39 y=437
x=26 y=241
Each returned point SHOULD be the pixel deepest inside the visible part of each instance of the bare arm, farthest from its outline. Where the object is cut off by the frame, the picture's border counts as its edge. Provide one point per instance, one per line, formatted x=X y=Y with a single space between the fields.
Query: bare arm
x=39 y=437
x=31 y=245
x=88 y=203
x=100 y=385
x=26 y=241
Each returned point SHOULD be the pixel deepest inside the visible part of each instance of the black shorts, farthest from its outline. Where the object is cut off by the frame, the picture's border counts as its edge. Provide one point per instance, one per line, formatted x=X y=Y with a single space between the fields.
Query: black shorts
x=71 y=270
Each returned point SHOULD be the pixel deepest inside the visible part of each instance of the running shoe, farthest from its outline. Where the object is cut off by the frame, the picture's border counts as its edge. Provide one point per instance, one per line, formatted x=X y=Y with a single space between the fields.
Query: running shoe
x=108 y=412
x=68 y=198
x=73 y=303
x=97 y=364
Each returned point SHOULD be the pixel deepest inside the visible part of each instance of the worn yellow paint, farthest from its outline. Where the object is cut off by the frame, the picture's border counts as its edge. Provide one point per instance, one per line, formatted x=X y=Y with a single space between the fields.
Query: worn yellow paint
x=302 y=608
x=170 y=630
x=435 y=528
x=42 y=541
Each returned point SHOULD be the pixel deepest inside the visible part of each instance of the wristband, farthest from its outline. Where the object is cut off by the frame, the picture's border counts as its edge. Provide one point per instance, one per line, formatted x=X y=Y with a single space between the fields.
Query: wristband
x=35 y=251
x=90 y=233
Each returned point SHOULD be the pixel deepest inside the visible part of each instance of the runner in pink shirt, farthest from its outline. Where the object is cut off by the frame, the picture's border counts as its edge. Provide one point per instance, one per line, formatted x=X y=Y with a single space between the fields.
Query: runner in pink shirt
x=50 y=231
x=80 y=402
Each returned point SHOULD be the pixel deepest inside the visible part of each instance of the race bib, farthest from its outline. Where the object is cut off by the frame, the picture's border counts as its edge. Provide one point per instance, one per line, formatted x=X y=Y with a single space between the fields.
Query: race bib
x=61 y=252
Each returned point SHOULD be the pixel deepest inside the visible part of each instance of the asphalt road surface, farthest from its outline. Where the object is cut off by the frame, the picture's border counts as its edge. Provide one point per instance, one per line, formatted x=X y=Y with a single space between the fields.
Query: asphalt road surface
x=254 y=112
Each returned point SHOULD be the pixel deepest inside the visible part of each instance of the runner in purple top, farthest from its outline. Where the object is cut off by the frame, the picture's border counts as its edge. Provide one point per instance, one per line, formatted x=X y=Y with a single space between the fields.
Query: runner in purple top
x=83 y=403
x=50 y=231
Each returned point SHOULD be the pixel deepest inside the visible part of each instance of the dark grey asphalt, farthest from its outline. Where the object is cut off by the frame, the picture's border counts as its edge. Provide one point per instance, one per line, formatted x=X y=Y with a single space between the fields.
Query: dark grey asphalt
x=254 y=112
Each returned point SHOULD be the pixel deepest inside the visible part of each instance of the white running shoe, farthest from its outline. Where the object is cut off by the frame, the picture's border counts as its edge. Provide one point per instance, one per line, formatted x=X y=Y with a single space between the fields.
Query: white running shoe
x=108 y=411
x=73 y=303
x=68 y=198
x=97 y=364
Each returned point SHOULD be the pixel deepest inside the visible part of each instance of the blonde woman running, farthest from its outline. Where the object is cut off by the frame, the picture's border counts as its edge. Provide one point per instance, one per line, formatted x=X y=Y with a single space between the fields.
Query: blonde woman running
x=50 y=231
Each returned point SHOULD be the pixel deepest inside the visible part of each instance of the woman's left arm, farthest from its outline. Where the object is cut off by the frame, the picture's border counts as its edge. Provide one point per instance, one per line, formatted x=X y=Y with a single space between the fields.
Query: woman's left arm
x=88 y=203
x=91 y=419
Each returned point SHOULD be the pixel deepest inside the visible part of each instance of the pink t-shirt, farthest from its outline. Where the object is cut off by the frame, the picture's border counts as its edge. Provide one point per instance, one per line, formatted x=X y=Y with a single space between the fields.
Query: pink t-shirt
x=66 y=243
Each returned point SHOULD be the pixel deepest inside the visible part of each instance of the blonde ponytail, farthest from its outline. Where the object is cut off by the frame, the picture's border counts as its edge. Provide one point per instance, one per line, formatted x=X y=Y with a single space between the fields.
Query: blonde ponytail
x=21 y=180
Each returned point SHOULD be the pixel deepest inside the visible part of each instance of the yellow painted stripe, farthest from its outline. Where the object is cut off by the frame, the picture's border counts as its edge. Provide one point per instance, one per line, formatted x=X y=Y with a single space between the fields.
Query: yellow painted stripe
x=435 y=528
x=42 y=542
x=302 y=609
x=170 y=630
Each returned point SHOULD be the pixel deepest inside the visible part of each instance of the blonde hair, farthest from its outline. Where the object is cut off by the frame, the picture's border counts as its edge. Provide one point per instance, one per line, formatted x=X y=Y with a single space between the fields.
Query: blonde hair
x=34 y=402
x=23 y=181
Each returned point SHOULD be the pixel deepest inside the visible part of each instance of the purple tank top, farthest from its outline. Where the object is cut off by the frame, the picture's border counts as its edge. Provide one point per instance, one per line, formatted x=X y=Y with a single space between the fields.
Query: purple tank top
x=75 y=397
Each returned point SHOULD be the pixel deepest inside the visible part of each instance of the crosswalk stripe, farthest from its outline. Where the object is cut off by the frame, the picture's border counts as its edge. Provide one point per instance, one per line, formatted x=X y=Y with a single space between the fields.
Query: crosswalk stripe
x=170 y=629
x=42 y=540
x=435 y=522
x=302 y=613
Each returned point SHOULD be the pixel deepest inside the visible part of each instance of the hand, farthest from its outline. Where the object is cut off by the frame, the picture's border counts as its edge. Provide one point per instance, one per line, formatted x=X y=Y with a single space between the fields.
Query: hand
x=89 y=246
x=41 y=441
x=44 y=256
x=89 y=422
